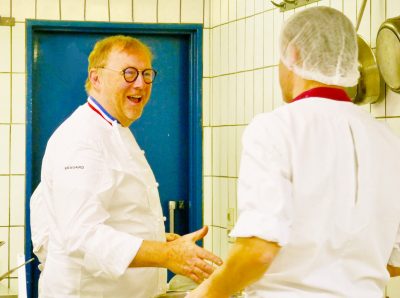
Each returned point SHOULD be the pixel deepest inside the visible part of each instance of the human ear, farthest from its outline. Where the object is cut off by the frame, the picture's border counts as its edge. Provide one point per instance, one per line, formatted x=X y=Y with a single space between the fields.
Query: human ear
x=95 y=78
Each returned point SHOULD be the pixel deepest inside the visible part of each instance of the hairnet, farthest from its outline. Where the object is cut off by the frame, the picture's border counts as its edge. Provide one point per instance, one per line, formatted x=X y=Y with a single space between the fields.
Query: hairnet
x=320 y=44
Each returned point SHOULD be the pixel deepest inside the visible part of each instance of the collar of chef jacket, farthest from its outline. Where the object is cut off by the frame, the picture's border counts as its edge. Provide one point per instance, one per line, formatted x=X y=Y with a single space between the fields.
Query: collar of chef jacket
x=324 y=92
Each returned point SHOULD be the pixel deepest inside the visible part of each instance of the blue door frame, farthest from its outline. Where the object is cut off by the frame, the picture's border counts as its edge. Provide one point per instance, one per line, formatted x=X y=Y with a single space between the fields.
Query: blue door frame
x=193 y=33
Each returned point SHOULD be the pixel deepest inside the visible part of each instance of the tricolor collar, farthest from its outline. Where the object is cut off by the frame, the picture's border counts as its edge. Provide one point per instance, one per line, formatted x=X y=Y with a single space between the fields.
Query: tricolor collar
x=95 y=106
x=324 y=92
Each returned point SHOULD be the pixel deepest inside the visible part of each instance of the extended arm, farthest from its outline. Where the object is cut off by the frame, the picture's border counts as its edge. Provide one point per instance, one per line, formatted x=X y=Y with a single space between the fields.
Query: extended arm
x=181 y=256
x=248 y=260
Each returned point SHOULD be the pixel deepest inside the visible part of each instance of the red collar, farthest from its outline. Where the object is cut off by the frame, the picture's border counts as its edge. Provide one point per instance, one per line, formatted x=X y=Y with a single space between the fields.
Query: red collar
x=325 y=92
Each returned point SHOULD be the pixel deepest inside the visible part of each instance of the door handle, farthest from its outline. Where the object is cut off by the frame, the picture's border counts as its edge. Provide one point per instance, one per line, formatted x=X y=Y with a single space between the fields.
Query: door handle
x=171 y=207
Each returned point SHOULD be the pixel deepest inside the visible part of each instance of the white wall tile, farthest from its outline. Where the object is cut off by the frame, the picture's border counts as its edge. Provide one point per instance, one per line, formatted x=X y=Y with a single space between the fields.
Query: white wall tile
x=207 y=201
x=240 y=98
x=269 y=89
x=258 y=91
x=4 y=250
x=5 y=54
x=278 y=22
x=216 y=51
x=224 y=49
x=350 y=10
x=324 y=3
x=249 y=96
x=206 y=53
x=216 y=202
x=379 y=109
x=169 y=11
x=16 y=246
x=207 y=14
x=231 y=153
x=224 y=100
x=232 y=99
x=278 y=100
x=48 y=9
x=378 y=8
x=240 y=42
x=17 y=156
x=208 y=240
x=239 y=134
x=232 y=203
x=223 y=156
x=18 y=98
x=224 y=244
x=17 y=200
x=224 y=202
x=232 y=48
x=216 y=151
x=249 y=44
x=97 y=10
x=23 y=9
x=5 y=98
x=392 y=103
x=392 y=8
x=258 y=41
x=192 y=11
x=365 y=26
x=258 y=6
x=394 y=124
x=18 y=47
x=216 y=101
x=232 y=9
x=4 y=149
x=240 y=8
x=73 y=10
x=215 y=12
x=207 y=151
x=4 y=205
x=249 y=8
x=216 y=241
x=224 y=11
x=14 y=285
x=206 y=101
x=121 y=10
x=337 y=4
x=268 y=5
x=393 y=287
x=268 y=46
x=5 y=9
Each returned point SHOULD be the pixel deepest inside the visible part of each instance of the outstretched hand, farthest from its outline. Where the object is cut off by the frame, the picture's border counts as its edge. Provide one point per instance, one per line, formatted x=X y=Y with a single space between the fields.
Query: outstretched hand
x=188 y=259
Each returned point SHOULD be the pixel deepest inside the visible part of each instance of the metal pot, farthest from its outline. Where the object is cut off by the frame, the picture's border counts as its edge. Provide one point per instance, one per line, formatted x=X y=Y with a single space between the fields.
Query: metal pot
x=388 y=52
x=369 y=85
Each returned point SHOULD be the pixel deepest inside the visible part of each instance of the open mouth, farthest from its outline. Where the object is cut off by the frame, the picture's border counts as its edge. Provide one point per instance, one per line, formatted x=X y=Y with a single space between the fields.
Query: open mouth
x=135 y=98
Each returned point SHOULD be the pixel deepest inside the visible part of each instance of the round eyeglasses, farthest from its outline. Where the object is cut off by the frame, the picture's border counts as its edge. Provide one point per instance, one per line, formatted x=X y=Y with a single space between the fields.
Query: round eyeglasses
x=131 y=74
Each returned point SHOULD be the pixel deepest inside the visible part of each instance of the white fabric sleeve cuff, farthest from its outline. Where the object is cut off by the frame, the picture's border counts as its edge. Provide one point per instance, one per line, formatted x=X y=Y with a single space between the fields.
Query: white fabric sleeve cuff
x=112 y=256
x=254 y=224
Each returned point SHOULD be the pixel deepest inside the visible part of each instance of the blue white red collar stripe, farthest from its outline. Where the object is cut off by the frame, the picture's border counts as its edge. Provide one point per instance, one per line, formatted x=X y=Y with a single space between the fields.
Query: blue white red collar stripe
x=325 y=92
x=95 y=106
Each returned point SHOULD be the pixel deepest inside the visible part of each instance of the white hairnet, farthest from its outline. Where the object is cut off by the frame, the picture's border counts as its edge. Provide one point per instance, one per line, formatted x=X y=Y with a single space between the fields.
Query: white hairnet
x=320 y=44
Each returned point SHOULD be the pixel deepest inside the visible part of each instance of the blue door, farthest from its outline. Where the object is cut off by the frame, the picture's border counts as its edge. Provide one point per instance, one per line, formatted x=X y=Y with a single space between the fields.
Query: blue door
x=169 y=130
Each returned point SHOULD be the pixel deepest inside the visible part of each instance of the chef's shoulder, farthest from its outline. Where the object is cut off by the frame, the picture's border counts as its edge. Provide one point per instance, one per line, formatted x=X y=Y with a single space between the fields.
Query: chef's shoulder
x=82 y=127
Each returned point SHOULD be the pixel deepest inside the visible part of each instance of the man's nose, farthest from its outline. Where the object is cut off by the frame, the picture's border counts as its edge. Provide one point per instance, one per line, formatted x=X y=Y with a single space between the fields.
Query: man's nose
x=139 y=82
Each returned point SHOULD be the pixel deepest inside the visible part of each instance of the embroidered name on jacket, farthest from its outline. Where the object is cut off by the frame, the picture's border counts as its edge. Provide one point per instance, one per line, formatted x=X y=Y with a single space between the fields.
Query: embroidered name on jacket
x=74 y=167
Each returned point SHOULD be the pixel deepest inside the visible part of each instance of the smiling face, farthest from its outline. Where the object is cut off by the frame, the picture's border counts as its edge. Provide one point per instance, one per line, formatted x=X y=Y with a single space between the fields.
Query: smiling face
x=124 y=101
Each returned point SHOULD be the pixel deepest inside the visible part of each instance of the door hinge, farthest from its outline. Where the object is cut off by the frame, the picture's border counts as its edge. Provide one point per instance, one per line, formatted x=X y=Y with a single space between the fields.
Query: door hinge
x=5 y=21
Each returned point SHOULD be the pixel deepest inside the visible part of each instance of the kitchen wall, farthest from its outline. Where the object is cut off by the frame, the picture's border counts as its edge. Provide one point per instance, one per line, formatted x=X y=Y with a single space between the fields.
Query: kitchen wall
x=240 y=80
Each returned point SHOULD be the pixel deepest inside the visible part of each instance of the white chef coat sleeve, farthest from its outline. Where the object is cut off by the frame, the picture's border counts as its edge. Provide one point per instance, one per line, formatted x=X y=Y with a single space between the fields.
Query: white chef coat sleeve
x=82 y=187
x=395 y=256
x=264 y=185
x=39 y=225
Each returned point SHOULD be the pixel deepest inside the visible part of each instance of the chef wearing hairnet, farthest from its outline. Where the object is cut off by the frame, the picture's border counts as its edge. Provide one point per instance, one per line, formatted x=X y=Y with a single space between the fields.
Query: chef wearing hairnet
x=318 y=193
x=105 y=234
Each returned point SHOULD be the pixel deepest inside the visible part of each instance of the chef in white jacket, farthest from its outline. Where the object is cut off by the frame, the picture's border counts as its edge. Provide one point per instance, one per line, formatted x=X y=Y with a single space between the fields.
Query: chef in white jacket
x=318 y=189
x=105 y=235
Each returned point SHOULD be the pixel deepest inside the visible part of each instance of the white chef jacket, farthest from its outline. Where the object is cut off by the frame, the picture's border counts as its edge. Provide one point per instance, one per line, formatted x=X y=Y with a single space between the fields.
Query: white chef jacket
x=101 y=201
x=321 y=178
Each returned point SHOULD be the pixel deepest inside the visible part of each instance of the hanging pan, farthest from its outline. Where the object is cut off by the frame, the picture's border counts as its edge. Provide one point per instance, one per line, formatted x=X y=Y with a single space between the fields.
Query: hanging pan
x=388 y=52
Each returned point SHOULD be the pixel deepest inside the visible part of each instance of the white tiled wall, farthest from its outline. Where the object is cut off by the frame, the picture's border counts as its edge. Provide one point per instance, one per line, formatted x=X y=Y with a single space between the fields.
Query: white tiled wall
x=240 y=79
